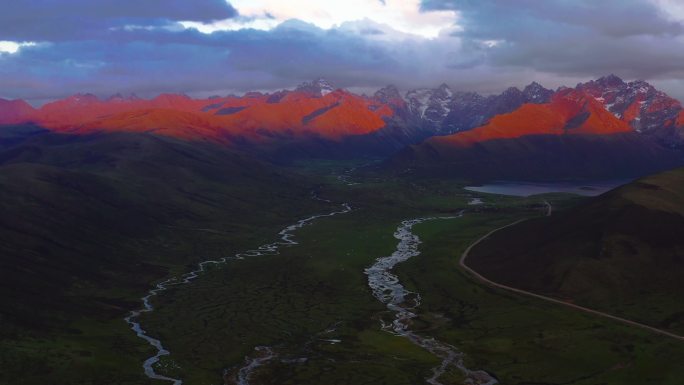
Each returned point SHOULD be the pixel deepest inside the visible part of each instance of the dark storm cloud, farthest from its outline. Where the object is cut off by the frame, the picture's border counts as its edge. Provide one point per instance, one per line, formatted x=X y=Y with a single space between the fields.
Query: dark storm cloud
x=572 y=38
x=53 y=20
x=515 y=19
x=153 y=61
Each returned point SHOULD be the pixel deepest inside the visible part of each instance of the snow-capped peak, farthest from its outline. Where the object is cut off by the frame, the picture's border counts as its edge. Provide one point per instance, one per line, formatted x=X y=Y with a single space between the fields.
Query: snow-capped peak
x=536 y=93
x=432 y=105
x=387 y=94
x=319 y=87
x=84 y=98
x=444 y=89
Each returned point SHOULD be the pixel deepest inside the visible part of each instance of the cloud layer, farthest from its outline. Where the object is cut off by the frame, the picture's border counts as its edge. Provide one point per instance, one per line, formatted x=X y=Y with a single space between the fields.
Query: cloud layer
x=149 y=47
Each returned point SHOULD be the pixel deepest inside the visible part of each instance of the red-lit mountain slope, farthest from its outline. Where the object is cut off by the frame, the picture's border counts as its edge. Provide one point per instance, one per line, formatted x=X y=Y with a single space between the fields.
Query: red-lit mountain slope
x=638 y=103
x=174 y=123
x=306 y=112
x=315 y=119
x=15 y=111
x=569 y=112
x=571 y=137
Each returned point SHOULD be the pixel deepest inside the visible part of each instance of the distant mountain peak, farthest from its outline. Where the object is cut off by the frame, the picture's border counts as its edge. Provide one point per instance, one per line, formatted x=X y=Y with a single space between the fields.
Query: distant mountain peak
x=638 y=103
x=172 y=96
x=536 y=93
x=317 y=87
x=641 y=86
x=532 y=87
x=430 y=105
x=84 y=98
x=253 y=95
x=610 y=80
x=390 y=96
x=512 y=91
x=444 y=91
x=117 y=98
x=13 y=111
x=387 y=93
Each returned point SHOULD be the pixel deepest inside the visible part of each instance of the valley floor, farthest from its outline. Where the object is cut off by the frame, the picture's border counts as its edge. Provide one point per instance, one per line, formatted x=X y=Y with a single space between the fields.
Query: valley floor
x=308 y=316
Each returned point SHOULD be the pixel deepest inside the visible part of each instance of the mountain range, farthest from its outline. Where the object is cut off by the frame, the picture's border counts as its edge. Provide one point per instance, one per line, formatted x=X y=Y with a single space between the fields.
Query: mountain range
x=604 y=126
x=571 y=136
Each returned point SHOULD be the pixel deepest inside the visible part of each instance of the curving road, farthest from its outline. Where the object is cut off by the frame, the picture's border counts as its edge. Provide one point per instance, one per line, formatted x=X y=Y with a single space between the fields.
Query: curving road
x=489 y=282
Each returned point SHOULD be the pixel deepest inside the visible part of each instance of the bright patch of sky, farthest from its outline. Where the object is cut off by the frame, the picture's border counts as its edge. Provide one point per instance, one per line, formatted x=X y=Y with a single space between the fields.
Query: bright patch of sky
x=401 y=15
x=13 y=46
x=671 y=9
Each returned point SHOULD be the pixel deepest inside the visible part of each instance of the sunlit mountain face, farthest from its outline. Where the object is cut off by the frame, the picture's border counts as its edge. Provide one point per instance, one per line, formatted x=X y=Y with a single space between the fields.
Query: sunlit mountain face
x=311 y=108
x=250 y=192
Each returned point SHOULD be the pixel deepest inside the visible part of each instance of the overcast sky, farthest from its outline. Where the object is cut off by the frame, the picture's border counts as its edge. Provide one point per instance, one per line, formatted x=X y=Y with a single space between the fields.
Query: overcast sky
x=54 y=48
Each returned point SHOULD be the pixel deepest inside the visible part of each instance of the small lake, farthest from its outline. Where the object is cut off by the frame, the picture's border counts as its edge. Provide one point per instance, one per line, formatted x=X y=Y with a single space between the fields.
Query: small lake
x=525 y=189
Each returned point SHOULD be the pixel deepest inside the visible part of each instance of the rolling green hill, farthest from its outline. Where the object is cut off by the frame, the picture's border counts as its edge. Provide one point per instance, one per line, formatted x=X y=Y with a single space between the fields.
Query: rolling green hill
x=622 y=252
x=86 y=223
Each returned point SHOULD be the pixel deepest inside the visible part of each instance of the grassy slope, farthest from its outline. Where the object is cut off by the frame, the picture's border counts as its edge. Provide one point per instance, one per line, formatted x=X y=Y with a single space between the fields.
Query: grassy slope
x=525 y=341
x=621 y=252
x=289 y=301
x=87 y=223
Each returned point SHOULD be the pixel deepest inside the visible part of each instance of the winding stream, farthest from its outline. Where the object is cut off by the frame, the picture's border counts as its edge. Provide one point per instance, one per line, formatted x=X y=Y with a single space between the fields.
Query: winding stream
x=265 y=354
x=402 y=302
x=286 y=239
